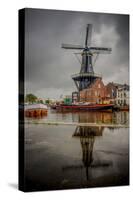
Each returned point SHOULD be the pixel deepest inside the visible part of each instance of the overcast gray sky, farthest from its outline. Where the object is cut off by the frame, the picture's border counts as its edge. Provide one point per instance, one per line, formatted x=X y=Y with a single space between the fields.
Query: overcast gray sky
x=48 y=67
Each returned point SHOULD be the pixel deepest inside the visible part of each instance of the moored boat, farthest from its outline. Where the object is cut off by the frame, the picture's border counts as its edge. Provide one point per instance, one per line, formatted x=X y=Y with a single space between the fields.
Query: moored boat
x=91 y=107
x=35 y=110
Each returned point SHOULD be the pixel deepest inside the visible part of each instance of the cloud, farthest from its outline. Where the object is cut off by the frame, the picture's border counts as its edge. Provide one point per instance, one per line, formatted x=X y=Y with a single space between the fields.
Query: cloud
x=48 y=67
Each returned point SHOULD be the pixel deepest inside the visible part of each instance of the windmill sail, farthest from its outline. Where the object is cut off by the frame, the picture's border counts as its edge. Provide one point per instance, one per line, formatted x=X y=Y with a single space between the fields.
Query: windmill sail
x=71 y=46
x=88 y=35
x=100 y=50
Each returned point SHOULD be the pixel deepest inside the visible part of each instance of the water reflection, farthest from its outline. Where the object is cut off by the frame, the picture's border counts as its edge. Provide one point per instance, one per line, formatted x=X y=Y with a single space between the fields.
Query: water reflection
x=59 y=157
x=101 y=162
x=85 y=117
x=101 y=117
x=87 y=136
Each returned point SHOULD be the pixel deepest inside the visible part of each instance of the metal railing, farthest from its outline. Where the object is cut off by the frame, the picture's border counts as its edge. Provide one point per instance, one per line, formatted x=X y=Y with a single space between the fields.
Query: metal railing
x=86 y=75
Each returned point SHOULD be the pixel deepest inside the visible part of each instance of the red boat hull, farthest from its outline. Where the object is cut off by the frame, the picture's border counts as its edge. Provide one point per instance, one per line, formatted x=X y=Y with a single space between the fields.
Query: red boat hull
x=86 y=107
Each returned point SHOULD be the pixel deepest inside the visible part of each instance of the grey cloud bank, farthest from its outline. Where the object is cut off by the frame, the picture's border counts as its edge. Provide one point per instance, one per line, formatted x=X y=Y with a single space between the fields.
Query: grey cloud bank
x=48 y=68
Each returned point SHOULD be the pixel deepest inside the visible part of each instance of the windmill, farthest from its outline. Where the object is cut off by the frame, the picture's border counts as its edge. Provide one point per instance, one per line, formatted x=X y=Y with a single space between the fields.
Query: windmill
x=86 y=75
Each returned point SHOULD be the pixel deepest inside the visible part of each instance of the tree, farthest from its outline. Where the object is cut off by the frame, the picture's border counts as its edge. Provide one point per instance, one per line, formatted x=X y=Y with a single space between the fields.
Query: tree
x=31 y=98
x=40 y=101
x=47 y=101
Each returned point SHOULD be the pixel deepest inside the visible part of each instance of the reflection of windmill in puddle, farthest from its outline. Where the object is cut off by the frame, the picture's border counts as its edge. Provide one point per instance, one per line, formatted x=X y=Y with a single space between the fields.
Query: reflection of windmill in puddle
x=87 y=138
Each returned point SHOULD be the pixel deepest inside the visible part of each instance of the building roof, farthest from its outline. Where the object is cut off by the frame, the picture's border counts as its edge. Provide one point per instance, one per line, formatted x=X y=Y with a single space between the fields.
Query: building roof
x=124 y=87
x=118 y=85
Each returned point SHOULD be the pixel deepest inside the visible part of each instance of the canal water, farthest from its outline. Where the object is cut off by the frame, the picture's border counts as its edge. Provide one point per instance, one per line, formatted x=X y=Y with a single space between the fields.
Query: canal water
x=68 y=157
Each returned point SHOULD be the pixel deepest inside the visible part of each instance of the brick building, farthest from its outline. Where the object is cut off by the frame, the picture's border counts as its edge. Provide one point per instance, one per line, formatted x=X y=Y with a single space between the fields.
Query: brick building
x=118 y=93
x=111 y=89
x=98 y=93
x=95 y=93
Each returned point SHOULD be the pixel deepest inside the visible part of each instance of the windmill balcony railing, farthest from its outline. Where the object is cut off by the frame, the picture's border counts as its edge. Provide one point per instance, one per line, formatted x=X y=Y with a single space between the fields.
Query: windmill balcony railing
x=86 y=75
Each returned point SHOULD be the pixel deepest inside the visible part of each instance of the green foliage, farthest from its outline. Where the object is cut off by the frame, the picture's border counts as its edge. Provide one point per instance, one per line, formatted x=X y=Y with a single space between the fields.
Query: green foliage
x=31 y=98
x=47 y=101
x=40 y=101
